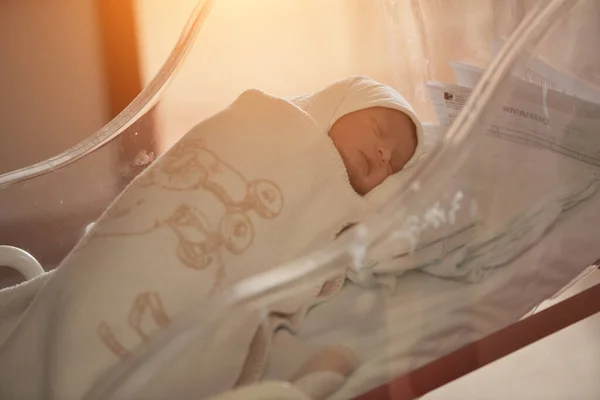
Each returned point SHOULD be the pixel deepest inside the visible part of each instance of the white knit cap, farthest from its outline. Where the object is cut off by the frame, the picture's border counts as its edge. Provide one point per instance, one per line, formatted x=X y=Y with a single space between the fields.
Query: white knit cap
x=358 y=93
x=354 y=94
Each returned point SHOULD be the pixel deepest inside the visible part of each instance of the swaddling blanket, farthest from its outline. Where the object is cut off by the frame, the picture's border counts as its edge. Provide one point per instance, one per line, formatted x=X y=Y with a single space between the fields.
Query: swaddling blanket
x=523 y=177
x=251 y=187
x=488 y=217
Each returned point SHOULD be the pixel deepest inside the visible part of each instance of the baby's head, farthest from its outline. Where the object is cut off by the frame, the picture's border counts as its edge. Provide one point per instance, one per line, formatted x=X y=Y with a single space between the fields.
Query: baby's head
x=373 y=128
x=375 y=143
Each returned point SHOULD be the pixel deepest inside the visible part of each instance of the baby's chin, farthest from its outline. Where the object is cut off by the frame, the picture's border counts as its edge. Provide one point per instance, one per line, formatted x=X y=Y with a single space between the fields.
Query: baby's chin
x=360 y=186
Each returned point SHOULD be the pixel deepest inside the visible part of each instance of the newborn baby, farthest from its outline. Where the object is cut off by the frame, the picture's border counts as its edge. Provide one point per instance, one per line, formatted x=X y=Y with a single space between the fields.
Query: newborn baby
x=255 y=186
x=373 y=128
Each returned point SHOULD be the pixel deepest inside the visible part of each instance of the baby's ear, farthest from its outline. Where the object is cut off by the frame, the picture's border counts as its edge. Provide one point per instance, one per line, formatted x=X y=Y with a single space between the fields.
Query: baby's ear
x=345 y=228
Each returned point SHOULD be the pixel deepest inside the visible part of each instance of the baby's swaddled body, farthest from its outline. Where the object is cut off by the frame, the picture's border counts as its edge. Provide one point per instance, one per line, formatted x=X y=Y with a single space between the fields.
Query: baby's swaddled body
x=252 y=187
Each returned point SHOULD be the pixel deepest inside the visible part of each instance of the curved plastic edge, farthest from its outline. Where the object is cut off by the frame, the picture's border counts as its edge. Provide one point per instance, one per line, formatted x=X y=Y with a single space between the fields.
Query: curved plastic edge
x=124 y=381
x=137 y=108
x=21 y=261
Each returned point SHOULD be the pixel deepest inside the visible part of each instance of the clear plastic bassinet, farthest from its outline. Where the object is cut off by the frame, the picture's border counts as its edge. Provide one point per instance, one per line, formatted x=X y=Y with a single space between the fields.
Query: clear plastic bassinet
x=500 y=216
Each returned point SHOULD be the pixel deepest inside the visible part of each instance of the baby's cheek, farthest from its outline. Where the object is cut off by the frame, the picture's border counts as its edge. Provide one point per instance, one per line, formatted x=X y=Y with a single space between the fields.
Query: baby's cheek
x=356 y=182
x=363 y=185
x=354 y=177
x=360 y=182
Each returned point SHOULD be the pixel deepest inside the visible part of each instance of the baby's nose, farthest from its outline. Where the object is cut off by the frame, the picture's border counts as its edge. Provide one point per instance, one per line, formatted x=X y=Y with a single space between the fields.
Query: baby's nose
x=384 y=155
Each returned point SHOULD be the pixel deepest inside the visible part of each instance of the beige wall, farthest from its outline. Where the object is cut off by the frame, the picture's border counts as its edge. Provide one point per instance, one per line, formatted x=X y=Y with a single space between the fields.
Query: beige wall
x=283 y=47
x=53 y=91
x=52 y=96
x=288 y=47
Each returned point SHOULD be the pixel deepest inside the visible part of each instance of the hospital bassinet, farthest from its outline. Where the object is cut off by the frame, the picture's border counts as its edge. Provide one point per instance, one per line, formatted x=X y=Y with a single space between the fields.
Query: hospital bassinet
x=500 y=217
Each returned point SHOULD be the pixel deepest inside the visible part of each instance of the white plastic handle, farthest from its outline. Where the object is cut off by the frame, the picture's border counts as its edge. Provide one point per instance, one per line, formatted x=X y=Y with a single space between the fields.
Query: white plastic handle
x=20 y=260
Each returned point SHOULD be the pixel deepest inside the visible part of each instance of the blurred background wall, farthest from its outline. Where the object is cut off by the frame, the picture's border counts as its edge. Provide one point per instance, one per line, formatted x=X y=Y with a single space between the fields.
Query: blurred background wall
x=291 y=47
x=53 y=89
x=66 y=68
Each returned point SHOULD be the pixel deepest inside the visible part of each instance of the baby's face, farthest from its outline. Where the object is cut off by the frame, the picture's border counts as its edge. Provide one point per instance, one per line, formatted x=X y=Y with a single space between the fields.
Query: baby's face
x=374 y=143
